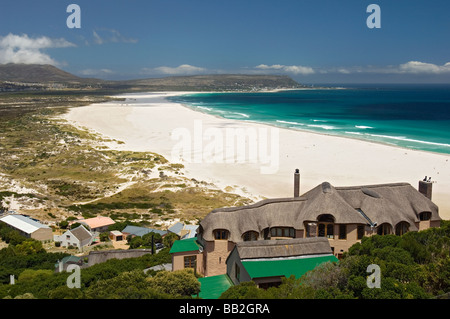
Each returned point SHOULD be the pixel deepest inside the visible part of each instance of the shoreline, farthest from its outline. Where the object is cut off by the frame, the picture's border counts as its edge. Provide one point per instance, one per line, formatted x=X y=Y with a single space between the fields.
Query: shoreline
x=315 y=132
x=300 y=129
x=342 y=161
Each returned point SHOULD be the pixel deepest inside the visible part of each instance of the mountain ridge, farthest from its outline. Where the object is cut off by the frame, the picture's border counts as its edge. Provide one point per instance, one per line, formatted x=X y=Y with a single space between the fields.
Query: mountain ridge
x=48 y=75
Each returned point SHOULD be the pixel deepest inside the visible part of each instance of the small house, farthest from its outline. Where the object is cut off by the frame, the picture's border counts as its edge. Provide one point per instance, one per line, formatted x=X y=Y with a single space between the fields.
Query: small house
x=116 y=235
x=78 y=237
x=97 y=224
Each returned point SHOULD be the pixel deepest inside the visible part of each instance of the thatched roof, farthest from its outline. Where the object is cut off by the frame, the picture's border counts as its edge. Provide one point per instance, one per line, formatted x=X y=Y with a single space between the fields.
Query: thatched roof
x=283 y=248
x=395 y=203
x=386 y=203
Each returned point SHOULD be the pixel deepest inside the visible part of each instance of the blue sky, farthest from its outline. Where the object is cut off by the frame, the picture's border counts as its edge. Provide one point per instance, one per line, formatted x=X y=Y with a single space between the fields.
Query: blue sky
x=313 y=41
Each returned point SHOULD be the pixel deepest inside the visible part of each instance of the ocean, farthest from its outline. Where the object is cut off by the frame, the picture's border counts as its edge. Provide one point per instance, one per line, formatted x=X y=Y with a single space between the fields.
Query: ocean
x=410 y=116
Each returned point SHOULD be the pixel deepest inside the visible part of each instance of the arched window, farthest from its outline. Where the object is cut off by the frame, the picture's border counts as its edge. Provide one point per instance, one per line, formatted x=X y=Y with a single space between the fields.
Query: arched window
x=325 y=226
x=221 y=234
x=384 y=229
x=250 y=236
x=424 y=216
x=401 y=228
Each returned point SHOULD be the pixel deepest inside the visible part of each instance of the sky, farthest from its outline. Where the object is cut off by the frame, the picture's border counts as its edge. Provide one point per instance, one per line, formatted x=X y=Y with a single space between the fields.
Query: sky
x=312 y=41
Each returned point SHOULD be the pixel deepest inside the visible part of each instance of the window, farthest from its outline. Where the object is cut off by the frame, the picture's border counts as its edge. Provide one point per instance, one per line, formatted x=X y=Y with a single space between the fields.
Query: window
x=237 y=271
x=190 y=261
x=384 y=229
x=425 y=216
x=221 y=234
x=360 y=231
x=401 y=228
x=311 y=229
x=250 y=236
x=282 y=232
x=67 y=237
x=342 y=231
x=325 y=227
x=325 y=230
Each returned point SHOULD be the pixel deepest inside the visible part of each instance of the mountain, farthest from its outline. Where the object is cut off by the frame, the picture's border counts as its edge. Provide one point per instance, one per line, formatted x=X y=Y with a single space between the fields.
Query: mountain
x=35 y=73
x=46 y=76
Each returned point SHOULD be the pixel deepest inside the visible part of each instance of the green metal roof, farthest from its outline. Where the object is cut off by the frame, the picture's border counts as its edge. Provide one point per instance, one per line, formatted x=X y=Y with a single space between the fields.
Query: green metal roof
x=183 y=245
x=285 y=267
x=212 y=287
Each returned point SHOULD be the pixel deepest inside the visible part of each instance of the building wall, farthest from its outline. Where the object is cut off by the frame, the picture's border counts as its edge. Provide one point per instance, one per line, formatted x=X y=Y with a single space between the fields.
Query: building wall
x=339 y=246
x=178 y=261
x=216 y=253
x=72 y=241
x=232 y=262
x=96 y=257
x=43 y=234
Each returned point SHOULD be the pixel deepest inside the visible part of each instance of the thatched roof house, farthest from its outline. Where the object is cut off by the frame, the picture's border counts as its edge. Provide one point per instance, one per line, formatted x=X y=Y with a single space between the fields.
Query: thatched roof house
x=365 y=205
x=341 y=216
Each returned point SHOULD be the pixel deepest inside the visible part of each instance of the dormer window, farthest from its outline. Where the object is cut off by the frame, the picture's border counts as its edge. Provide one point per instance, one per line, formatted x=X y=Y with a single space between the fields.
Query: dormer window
x=221 y=234
x=325 y=226
x=384 y=229
x=424 y=216
x=401 y=228
x=250 y=236
x=282 y=232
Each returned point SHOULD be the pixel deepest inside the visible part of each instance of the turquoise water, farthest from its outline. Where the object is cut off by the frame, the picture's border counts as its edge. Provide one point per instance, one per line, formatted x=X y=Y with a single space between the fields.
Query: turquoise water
x=414 y=117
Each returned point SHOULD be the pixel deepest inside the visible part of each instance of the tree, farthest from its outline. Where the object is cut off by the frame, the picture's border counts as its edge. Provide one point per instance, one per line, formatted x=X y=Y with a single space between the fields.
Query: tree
x=169 y=239
x=245 y=290
x=29 y=247
x=104 y=237
x=127 y=285
x=176 y=283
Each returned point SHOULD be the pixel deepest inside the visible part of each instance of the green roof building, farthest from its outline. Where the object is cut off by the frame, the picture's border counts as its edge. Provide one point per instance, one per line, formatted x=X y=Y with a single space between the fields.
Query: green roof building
x=266 y=262
x=187 y=253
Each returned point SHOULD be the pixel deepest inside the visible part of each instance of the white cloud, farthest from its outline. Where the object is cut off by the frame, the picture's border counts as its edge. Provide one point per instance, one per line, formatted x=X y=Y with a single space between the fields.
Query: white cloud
x=411 y=67
x=422 y=67
x=95 y=72
x=294 y=69
x=102 y=36
x=23 y=49
x=184 y=69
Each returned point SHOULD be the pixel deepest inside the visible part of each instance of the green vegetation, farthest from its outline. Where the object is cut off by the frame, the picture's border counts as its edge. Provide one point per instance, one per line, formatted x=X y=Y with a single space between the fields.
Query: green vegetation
x=413 y=266
x=35 y=277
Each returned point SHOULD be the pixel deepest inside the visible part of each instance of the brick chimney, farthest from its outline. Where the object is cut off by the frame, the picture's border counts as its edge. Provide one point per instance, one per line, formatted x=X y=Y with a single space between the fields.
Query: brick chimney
x=297 y=183
x=426 y=187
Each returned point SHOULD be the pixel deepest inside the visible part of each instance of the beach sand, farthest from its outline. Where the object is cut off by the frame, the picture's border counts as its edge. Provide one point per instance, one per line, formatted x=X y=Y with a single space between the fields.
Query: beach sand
x=151 y=123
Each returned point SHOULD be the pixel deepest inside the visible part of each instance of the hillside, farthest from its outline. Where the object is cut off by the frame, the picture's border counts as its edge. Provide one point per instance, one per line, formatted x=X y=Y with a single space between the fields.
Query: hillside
x=21 y=77
x=222 y=82
x=35 y=73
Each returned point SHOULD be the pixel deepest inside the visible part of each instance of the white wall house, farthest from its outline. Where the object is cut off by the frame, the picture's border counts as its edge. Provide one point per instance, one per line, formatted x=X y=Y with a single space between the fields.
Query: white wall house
x=78 y=237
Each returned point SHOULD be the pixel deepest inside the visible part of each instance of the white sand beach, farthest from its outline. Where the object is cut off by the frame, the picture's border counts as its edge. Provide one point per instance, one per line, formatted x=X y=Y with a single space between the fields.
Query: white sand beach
x=148 y=122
